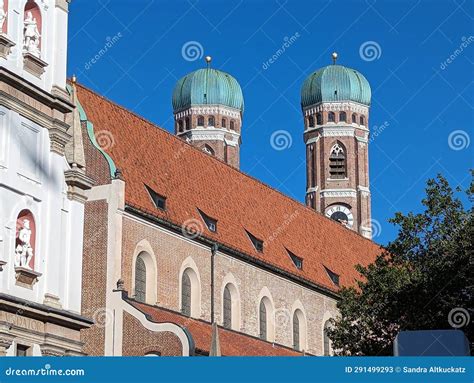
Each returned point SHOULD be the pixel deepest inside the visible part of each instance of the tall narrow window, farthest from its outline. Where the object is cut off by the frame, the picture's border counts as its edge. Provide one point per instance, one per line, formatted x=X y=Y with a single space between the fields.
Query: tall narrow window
x=354 y=118
x=337 y=162
x=296 y=332
x=319 y=118
x=232 y=124
x=140 y=279
x=180 y=125
x=263 y=320
x=327 y=341
x=186 y=123
x=362 y=120
x=224 y=123
x=342 y=117
x=186 y=295
x=200 y=121
x=331 y=117
x=227 y=308
x=211 y=121
x=310 y=122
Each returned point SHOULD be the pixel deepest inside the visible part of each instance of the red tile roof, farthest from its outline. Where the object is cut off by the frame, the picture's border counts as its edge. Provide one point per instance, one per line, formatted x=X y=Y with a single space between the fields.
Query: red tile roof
x=191 y=179
x=232 y=343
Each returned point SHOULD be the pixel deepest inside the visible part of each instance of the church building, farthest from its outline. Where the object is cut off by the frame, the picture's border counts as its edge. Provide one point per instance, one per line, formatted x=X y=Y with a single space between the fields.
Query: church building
x=136 y=241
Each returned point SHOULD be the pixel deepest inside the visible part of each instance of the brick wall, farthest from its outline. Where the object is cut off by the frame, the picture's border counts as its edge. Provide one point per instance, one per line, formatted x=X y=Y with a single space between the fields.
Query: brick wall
x=138 y=341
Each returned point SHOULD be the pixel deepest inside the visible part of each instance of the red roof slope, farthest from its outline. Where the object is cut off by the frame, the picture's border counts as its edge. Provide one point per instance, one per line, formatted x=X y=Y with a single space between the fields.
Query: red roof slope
x=232 y=343
x=192 y=180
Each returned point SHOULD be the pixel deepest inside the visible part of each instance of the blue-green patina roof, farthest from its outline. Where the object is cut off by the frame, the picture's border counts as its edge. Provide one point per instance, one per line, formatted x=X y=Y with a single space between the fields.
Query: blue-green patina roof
x=207 y=87
x=335 y=83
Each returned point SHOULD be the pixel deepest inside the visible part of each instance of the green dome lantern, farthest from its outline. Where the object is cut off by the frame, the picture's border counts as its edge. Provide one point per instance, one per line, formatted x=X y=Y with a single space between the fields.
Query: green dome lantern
x=335 y=83
x=207 y=86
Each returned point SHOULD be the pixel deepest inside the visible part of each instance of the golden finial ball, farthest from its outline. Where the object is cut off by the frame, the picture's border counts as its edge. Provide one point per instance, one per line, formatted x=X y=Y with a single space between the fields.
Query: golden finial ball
x=208 y=59
x=334 y=56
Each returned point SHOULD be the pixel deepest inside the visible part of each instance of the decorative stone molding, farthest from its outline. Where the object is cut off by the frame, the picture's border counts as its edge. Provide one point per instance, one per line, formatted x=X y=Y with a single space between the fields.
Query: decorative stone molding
x=5 y=45
x=364 y=191
x=338 y=193
x=59 y=92
x=209 y=109
x=6 y=340
x=51 y=350
x=33 y=64
x=59 y=137
x=312 y=189
x=212 y=134
x=77 y=183
x=336 y=107
x=52 y=300
x=26 y=277
x=366 y=232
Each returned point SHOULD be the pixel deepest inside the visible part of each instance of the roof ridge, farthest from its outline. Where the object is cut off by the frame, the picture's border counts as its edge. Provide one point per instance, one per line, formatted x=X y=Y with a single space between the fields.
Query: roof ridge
x=238 y=171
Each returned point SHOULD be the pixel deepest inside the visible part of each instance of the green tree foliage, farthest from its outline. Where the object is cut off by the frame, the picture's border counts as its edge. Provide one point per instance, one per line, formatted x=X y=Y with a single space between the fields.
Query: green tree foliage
x=416 y=281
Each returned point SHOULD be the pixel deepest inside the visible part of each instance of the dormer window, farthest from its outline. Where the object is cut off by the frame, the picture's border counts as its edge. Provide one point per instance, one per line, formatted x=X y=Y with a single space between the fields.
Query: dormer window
x=158 y=200
x=298 y=262
x=333 y=276
x=211 y=223
x=257 y=243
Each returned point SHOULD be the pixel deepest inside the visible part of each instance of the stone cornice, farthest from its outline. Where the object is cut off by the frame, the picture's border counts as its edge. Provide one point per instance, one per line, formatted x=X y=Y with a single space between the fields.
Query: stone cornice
x=212 y=134
x=336 y=107
x=209 y=109
x=338 y=193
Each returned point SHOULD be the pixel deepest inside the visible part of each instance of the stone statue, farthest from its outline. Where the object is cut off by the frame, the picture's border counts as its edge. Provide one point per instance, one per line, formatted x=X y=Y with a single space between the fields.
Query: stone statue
x=24 y=251
x=3 y=15
x=31 y=35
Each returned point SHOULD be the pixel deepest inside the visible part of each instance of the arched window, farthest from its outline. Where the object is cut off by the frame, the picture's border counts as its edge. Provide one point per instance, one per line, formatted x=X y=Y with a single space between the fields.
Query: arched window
x=211 y=121
x=186 y=294
x=296 y=332
x=227 y=308
x=186 y=124
x=263 y=321
x=331 y=117
x=310 y=122
x=337 y=162
x=140 y=279
x=200 y=121
x=180 y=125
x=342 y=117
x=319 y=118
x=190 y=291
x=354 y=118
x=232 y=124
x=326 y=340
x=362 y=120
x=224 y=123
x=206 y=148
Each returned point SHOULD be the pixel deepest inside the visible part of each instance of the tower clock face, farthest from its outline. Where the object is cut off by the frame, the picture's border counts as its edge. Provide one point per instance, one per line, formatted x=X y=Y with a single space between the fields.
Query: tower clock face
x=340 y=214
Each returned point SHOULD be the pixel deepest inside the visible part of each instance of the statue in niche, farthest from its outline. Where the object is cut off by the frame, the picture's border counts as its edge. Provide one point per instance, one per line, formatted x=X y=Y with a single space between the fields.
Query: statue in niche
x=24 y=251
x=3 y=15
x=32 y=36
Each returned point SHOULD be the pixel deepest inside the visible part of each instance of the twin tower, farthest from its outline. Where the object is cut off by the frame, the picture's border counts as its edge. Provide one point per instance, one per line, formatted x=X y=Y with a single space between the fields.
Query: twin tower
x=208 y=105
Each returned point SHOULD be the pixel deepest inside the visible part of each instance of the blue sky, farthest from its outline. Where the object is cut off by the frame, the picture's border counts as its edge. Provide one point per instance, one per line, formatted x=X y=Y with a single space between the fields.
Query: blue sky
x=417 y=55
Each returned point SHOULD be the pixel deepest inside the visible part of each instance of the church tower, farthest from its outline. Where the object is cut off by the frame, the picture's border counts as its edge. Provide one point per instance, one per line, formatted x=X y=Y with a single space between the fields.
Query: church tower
x=335 y=101
x=208 y=105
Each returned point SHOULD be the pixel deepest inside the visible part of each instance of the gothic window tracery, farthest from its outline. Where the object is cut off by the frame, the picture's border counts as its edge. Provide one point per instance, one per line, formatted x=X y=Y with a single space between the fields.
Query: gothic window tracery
x=227 y=308
x=140 y=279
x=337 y=162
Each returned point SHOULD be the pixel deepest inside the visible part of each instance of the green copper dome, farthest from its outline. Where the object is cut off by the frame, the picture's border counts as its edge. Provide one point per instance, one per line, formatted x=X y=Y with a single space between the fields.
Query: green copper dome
x=207 y=87
x=335 y=83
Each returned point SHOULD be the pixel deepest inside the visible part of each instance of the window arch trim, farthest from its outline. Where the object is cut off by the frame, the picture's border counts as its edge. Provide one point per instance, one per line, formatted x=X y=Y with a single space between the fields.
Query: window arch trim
x=144 y=248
